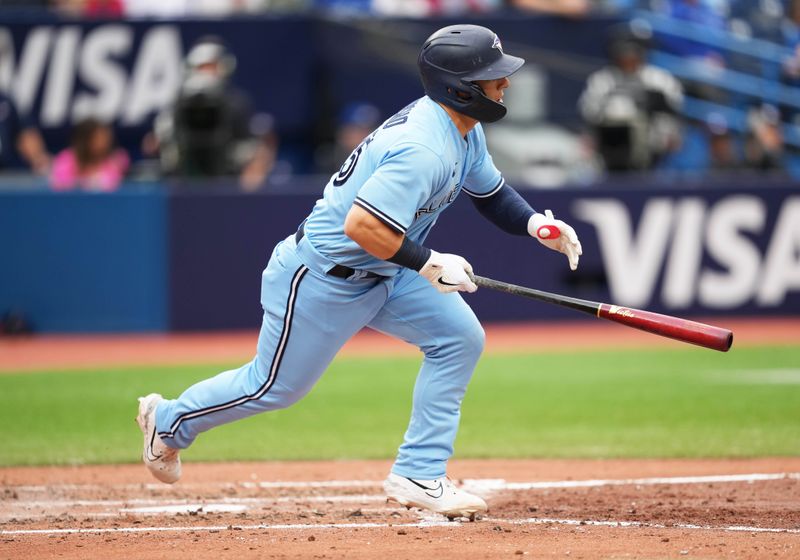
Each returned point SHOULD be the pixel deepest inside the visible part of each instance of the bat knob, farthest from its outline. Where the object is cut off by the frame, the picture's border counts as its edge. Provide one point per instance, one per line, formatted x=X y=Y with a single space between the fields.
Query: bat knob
x=548 y=232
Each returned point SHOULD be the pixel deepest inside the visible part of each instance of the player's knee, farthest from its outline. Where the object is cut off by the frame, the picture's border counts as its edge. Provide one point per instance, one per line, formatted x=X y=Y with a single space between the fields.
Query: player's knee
x=470 y=338
x=281 y=395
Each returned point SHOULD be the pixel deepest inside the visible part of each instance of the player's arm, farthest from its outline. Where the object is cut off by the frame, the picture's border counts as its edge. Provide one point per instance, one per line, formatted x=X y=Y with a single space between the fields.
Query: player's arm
x=375 y=237
x=505 y=208
x=447 y=273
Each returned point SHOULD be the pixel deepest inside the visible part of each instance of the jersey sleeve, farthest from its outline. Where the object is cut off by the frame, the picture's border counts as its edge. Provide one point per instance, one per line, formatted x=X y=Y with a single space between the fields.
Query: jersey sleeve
x=483 y=178
x=401 y=183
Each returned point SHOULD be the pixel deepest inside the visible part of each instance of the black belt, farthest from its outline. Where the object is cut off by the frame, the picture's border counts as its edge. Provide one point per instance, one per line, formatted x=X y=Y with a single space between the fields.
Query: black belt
x=338 y=270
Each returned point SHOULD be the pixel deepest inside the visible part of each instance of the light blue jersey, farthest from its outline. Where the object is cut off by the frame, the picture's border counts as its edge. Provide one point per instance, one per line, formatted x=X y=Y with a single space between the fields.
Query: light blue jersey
x=405 y=173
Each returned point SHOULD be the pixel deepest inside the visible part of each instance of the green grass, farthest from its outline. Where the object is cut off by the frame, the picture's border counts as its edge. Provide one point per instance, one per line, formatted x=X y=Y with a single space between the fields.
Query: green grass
x=655 y=403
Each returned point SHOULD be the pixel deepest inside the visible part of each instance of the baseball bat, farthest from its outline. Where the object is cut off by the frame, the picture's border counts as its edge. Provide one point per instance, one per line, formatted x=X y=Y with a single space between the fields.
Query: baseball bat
x=707 y=336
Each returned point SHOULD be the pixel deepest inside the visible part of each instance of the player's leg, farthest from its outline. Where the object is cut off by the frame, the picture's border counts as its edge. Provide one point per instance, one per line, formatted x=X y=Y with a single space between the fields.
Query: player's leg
x=449 y=334
x=307 y=318
x=447 y=331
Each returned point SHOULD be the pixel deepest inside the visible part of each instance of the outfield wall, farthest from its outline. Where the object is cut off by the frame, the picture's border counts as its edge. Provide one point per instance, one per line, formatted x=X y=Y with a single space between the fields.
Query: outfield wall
x=78 y=262
x=146 y=259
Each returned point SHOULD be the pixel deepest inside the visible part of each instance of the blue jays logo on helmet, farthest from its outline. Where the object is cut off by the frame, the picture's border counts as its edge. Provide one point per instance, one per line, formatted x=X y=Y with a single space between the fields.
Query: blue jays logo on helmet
x=497 y=44
x=454 y=58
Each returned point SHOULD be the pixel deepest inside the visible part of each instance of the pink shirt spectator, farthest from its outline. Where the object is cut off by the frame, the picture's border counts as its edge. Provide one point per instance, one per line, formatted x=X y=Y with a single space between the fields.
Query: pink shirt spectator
x=101 y=177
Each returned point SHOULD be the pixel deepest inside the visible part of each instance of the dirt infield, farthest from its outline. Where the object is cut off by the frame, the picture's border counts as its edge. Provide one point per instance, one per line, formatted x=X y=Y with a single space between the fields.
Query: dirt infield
x=539 y=509
x=95 y=351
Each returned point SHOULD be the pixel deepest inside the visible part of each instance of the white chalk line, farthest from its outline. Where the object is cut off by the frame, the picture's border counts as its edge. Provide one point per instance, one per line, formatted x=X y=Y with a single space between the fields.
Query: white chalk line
x=190 y=486
x=213 y=528
x=315 y=484
x=489 y=484
x=638 y=524
x=346 y=498
x=144 y=512
x=424 y=523
x=500 y=484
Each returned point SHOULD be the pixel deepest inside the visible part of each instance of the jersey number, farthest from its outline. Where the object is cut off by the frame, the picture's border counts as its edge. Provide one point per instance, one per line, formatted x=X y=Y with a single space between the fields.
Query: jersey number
x=348 y=167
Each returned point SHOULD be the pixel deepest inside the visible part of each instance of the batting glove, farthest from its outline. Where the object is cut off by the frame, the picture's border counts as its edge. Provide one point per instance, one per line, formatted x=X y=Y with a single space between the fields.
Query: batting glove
x=556 y=235
x=448 y=273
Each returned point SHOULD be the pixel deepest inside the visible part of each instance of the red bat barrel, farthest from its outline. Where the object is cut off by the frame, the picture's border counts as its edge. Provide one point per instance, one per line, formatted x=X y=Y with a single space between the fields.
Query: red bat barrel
x=684 y=330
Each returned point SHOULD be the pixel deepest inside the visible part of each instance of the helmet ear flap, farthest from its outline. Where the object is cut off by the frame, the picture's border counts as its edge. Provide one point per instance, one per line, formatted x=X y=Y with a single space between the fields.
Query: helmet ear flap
x=460 y=94
x=491 y=110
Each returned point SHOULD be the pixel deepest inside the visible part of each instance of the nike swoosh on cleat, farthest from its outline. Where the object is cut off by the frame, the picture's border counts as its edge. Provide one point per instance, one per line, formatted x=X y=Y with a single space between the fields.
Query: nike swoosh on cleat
x=152 y=456
x=439 y=488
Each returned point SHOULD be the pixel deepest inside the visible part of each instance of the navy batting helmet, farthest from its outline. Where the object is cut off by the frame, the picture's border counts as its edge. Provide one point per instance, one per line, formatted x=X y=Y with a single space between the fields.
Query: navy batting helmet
x=454 y=58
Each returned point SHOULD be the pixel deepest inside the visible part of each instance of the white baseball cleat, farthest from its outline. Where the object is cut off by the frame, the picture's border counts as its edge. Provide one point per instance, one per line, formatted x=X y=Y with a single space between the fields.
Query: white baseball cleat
x=163 y=462
x=439 y=495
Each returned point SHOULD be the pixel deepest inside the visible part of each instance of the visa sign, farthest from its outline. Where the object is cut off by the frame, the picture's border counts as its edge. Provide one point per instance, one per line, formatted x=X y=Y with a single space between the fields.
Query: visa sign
x=704 y=251
x=75 y=72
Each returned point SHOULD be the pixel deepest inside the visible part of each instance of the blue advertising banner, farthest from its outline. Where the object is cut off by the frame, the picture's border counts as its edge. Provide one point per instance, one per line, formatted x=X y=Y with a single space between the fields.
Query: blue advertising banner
x=692 y=252
x=677 y=251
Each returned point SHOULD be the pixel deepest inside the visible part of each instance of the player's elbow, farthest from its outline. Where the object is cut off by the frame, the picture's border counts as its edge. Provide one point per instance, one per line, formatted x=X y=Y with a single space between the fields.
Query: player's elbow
x=353 y=226
x=371 y=234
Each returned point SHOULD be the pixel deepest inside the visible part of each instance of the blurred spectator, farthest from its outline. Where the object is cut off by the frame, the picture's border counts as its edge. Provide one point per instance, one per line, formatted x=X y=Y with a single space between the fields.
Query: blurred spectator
x=21 y=144
x=341 y=7
x=92 y=162
x=432 y=8
x=211 y=131
x=104 y=8
x=764 y=148
x=355 y=122
x=722 y=150
x=569 y=8
x=632 y=107
x=181 y=8
x=90 y=8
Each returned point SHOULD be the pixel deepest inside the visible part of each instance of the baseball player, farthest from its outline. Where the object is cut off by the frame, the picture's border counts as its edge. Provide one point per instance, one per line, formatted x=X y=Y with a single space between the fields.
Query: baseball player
x=359 y=260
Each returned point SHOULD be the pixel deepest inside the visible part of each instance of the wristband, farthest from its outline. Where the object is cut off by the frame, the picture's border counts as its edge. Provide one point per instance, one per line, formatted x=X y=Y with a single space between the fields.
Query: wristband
x=411 y=255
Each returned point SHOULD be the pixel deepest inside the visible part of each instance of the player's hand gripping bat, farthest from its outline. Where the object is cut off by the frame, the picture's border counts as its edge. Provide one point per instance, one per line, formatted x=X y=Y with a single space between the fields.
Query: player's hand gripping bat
x=707 y=336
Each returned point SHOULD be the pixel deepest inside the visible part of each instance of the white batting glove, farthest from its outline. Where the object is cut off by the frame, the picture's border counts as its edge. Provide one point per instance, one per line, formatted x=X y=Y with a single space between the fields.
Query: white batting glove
x=556 y=235
x=448 y=273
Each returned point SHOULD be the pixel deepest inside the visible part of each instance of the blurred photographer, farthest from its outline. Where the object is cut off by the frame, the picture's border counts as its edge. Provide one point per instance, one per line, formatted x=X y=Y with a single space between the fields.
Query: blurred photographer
x=210 y=130
x=632 y=107
x=764 y=144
